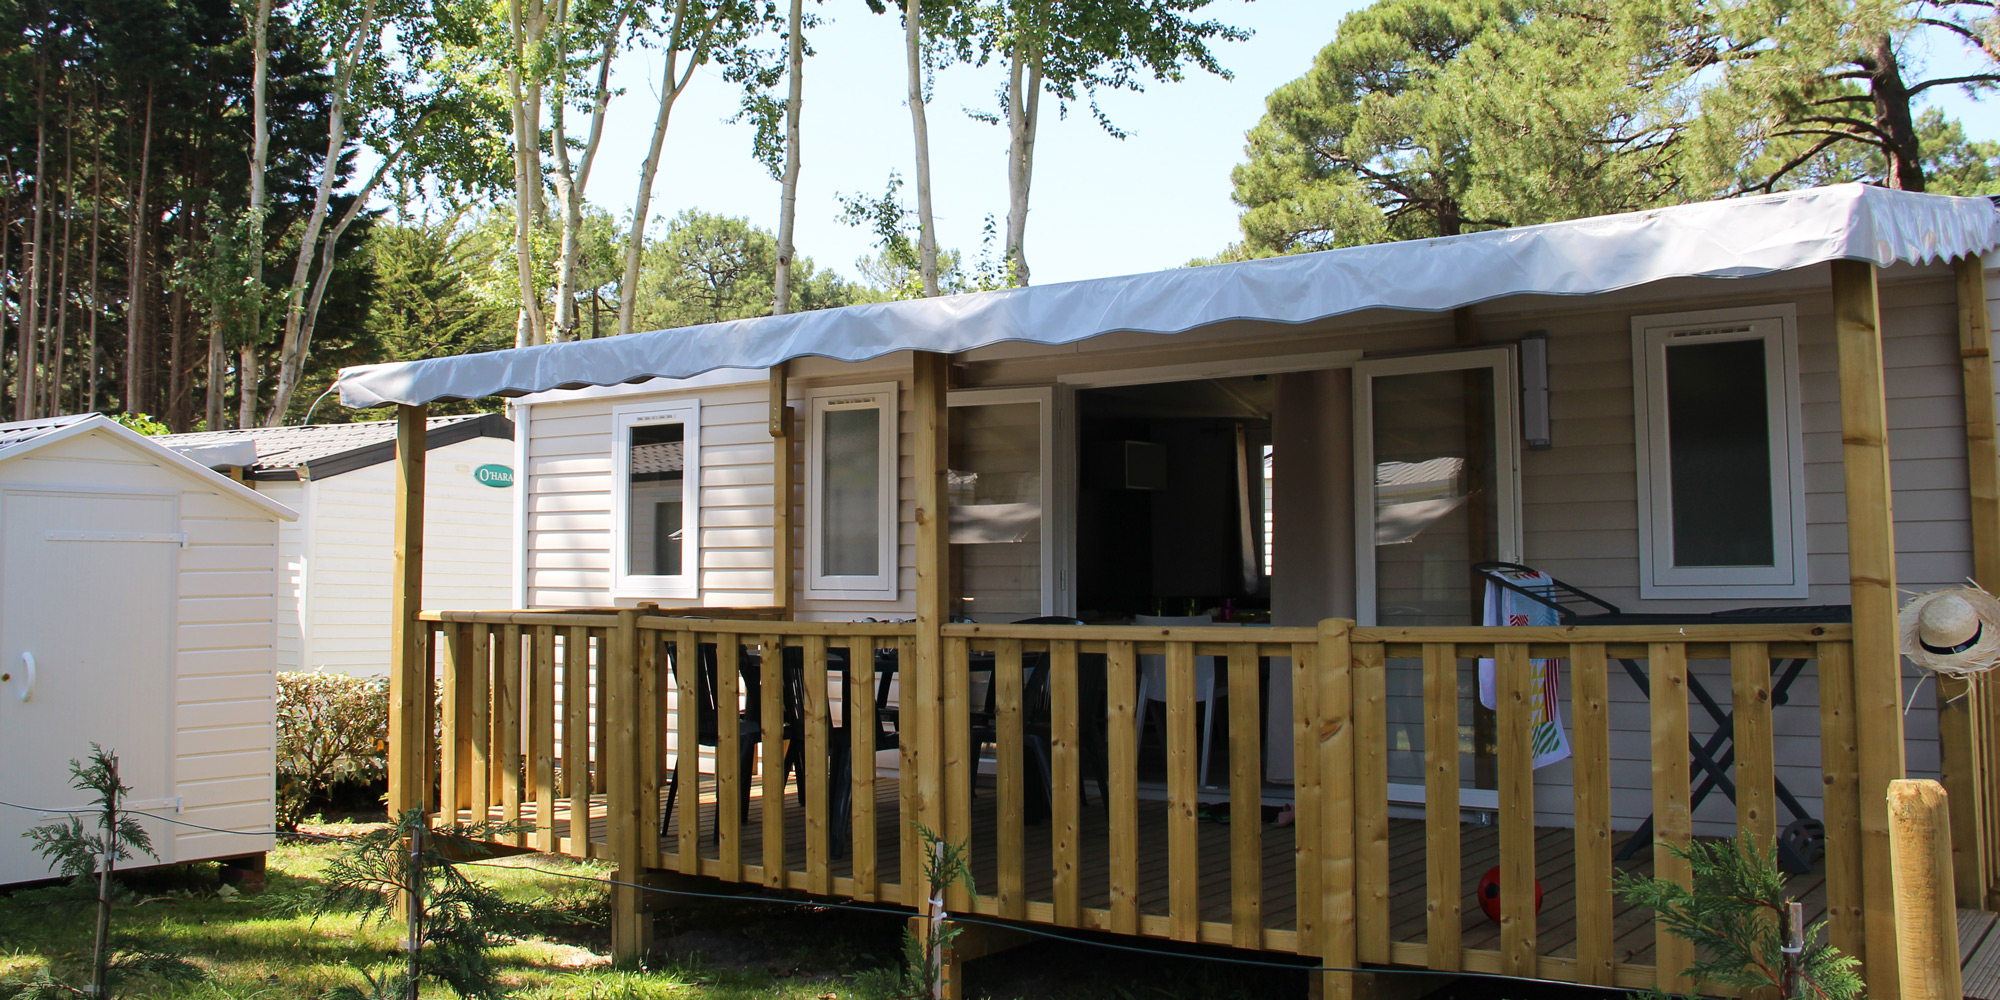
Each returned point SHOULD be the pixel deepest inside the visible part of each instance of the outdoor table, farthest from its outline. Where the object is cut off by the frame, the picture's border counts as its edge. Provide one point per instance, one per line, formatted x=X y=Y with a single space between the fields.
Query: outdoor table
x=1713 y=757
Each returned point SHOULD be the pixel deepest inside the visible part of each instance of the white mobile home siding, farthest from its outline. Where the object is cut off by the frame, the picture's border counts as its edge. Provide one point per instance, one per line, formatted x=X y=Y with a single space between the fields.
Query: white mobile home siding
x=342 y=548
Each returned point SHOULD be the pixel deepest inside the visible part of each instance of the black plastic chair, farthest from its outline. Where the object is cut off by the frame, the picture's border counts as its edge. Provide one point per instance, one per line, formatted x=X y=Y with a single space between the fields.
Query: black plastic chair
x=749 y=725
x=841 y=752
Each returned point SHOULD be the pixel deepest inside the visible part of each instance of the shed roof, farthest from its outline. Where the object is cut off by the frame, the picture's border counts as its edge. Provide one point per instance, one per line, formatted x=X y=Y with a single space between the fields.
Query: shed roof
x=24 y=431
x=25 y=437
x=317 y=451
x=1738 y=238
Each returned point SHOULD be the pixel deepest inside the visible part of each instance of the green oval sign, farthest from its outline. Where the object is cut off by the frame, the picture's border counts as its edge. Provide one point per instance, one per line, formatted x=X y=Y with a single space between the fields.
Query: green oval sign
x=497 y=476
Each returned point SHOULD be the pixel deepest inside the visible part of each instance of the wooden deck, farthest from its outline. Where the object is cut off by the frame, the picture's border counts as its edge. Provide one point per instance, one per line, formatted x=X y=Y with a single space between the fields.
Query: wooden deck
x=1479 y=847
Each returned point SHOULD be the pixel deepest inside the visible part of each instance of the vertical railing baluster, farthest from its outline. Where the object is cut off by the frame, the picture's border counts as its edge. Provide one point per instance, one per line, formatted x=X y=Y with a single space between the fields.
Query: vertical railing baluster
x=1246 y=798
x=1590 y=731
x=1750 y=710
x=1183 y=829
x=819 y=877
x=507 y=727
x=543 y=743
x=576 y=737
x=1122 y=734
x=1517 y=696
x=1306 y=795
x=772 y=686
x=1371 y=800
x=452 y=669
x=1065 y=785
x=955 y=720
x=1443 y=883
x=687 y=747
x=1009 y=797
x=652 y=686
x=480 y=741
x=859 y=713
x=1840 y=764
x=729 y=777
x=1673 y=826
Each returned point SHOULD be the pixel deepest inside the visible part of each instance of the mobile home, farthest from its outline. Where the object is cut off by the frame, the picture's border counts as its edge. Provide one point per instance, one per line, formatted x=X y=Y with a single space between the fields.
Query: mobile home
x=1252 y=514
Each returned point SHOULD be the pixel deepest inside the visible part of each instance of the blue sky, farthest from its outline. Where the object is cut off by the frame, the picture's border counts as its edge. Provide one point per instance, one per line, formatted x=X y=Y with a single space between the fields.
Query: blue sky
x=1100 y=206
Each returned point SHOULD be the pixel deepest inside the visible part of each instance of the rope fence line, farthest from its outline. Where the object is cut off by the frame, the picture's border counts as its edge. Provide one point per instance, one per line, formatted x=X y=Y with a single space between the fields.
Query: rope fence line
x=871 y=910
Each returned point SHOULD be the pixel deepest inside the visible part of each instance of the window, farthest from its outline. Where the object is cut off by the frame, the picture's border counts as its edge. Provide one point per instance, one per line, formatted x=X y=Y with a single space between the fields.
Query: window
x=851 y=498
x=1721 y=475
x=656 y=513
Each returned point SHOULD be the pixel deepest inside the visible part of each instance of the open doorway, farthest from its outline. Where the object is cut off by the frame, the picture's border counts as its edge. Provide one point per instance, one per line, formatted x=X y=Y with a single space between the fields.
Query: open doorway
x=1173 y=503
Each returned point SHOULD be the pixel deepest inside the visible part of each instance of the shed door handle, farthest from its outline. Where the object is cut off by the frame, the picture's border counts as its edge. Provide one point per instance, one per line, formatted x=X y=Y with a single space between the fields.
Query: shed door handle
x=28 y=668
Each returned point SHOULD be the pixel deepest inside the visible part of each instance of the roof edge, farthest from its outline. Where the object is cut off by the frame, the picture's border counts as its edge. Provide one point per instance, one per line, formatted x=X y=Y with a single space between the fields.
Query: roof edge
x=99 y=423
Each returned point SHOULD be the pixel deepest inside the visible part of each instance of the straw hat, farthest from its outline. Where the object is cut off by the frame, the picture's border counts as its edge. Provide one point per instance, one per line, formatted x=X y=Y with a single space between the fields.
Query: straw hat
x=1955 y=631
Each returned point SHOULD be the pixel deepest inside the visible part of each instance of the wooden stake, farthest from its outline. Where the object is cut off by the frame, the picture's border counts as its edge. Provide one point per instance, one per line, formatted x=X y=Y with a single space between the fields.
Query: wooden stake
x=1871 y=548
x=1926 y=914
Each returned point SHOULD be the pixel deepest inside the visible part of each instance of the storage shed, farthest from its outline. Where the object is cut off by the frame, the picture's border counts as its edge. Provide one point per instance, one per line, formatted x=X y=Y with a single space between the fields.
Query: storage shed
x=137 y=611
x=334 y=608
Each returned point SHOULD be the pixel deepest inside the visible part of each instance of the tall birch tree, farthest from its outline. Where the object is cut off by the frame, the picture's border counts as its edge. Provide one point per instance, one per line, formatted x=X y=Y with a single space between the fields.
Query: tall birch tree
x=1072 y=52
x=788 y=192
x=694 y=33
x=572 y=175
x=913 y=46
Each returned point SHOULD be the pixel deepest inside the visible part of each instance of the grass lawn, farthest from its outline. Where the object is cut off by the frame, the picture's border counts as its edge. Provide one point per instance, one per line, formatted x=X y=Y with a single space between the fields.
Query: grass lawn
x=708 y=950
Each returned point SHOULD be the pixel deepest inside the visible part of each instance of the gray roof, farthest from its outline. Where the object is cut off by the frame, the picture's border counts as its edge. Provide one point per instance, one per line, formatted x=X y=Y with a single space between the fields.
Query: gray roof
x=23 y=431
x=316 y=451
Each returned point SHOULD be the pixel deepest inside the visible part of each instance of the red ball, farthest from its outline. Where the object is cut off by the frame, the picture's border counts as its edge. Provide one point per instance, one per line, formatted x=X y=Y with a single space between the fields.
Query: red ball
x=1489 y=894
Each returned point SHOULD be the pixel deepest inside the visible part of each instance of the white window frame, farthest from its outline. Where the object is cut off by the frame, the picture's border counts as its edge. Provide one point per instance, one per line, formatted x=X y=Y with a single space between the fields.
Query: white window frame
x=819 y=402
x=1776 y=326
x=624 y=583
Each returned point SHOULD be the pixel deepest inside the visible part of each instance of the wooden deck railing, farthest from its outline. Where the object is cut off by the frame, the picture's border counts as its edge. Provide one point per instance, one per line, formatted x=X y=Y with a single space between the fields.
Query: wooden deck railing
x=560 y=723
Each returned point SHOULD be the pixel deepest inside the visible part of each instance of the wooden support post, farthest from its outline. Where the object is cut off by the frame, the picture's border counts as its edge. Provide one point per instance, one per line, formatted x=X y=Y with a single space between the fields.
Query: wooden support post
x=626 y=822
x=923 y=687
x=1926 y=914
x=781 y=493
x=1965 y=724
x=409 y=668
x=1871 y=554
x=1338 y=938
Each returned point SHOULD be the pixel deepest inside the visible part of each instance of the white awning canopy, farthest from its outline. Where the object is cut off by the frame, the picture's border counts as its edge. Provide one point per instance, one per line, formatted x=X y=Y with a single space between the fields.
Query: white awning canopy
x=1739 y=238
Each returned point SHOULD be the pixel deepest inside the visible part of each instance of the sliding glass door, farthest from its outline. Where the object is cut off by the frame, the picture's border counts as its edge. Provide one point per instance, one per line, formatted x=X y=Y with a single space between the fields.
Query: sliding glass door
x=1437 y=489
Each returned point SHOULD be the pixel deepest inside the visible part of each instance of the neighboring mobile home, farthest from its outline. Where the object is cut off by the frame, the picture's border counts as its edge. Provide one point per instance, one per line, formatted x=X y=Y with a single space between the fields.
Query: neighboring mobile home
x=339 y=477
x=1781 y=403
x=136 y=612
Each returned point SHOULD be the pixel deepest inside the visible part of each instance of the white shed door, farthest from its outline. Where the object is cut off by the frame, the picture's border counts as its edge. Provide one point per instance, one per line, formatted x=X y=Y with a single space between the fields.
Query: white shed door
x=86 y=595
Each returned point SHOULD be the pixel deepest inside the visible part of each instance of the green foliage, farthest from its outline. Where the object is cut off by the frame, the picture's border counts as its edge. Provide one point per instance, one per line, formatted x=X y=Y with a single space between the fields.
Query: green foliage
x=1434 y=117
x=946 y=864
x=332 y=728
x=69 y=846
x=1078 y=50
x=142 y=423
x=1735 y=915
x=462 y=918
x=710 y=268
x=121 y=970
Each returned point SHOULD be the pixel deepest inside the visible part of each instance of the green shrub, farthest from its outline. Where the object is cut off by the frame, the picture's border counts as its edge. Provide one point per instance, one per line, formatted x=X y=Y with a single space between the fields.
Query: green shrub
x=332 y=728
